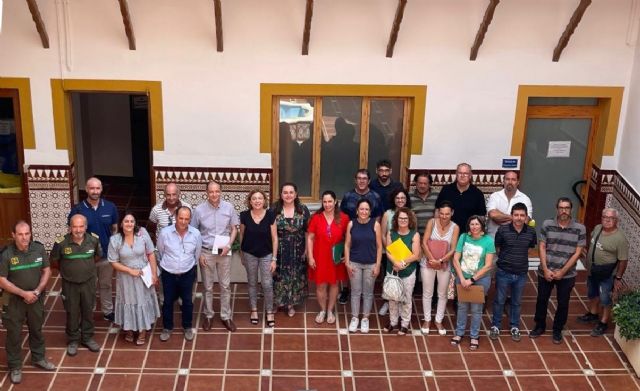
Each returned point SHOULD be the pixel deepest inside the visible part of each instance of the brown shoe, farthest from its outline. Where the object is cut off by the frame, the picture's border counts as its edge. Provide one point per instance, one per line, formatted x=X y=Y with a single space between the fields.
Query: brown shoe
x=229 y=325
x=206 y=324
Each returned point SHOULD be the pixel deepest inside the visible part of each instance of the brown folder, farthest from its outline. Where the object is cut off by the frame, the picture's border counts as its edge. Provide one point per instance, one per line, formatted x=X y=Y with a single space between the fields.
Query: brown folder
x=473 y=294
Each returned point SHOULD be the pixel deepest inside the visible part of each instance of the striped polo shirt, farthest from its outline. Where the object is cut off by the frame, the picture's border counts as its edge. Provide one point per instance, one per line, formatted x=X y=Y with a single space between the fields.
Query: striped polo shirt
x=561 y=244
x=513 y=256
x=423 y=208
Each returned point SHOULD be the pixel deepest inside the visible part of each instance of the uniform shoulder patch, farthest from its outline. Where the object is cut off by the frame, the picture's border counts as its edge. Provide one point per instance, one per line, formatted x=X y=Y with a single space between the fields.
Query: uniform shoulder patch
x=95 y=235
x=59 y=239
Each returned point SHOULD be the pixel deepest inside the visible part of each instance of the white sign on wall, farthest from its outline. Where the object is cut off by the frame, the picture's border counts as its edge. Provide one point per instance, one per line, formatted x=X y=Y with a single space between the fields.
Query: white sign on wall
x=559 y=149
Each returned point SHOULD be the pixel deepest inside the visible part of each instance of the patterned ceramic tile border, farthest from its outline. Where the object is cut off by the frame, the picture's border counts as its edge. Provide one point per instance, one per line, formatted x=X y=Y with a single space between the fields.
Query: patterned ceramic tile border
x=488 y=181
x=627 y=201
x=236 y=183
x=49 y=201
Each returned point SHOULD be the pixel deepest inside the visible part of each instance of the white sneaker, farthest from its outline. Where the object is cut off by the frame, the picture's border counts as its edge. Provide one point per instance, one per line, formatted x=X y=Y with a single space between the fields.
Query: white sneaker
x=353 y=326
x=364 y=325
x=384 y=309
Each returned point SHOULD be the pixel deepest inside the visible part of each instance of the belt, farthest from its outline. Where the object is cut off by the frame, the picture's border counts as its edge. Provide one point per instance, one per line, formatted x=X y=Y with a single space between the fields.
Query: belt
x=207 y=248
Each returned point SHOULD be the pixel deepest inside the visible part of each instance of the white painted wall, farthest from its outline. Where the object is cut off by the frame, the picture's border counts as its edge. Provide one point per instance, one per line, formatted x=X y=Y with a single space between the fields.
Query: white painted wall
x=212 y=99
x=630 y=144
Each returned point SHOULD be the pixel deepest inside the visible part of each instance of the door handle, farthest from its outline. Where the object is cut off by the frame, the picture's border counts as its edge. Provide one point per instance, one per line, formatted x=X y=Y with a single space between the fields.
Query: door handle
x=574 y=187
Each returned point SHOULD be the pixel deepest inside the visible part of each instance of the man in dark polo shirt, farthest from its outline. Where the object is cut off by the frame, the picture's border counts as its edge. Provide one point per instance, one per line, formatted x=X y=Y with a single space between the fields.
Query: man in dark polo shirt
x=24 y=272
x=466 y=198
x=383 y=184
x=561 y=243
x=77 y=253
x=102 y=220
x=513 y=242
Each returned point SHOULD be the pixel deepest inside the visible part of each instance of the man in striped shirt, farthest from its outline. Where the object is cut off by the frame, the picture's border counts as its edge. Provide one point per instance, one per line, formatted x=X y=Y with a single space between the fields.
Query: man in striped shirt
x=561 y=242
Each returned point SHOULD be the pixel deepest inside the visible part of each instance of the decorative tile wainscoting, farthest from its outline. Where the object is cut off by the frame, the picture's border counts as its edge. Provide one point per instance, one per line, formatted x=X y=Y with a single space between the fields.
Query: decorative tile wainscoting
x=49 y=201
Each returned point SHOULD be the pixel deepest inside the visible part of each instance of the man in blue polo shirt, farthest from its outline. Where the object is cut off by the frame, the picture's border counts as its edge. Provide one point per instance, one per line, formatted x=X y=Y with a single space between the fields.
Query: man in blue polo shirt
x=514 y=241
x=102 y=220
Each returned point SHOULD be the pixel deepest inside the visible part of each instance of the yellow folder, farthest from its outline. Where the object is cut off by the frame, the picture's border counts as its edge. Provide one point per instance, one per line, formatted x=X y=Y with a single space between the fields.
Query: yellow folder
x=398 y=250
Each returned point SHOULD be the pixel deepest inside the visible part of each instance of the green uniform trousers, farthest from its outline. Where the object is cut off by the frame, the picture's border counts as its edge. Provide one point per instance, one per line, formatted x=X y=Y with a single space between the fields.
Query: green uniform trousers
x=14 y=316
x=79 y=300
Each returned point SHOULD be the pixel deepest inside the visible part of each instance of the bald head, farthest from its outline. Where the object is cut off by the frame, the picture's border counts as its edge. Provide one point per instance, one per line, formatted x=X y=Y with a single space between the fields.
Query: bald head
x=93 y=189
x=172 y=195
x=78 y=227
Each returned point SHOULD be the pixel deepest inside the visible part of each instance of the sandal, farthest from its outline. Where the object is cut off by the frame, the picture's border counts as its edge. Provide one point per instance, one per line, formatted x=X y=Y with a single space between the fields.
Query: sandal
x=331 y=318
x=474 y=344
x=403 y=331
x=253 y=319
x=320 y=316
x=141 y=338
x=271 y=322
x=455 y=341
x=291 y=311
x=129 y=336
x=425 y=327
x=441 y=329
x=388 y=328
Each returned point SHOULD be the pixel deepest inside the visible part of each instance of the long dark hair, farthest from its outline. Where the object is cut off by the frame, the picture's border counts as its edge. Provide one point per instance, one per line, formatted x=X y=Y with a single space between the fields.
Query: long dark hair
x=336 y=211
x=136 y=227
x=394 y=194
x=279 y=205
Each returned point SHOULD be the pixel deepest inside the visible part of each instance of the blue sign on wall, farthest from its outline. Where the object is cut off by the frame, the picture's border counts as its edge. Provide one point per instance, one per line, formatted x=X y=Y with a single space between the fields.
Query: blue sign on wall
x=509 y=163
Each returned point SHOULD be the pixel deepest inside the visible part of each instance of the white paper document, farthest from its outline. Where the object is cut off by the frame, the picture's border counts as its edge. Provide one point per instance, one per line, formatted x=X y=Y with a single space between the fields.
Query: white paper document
x=147 y=275
x=559 y=149
x=219 y=242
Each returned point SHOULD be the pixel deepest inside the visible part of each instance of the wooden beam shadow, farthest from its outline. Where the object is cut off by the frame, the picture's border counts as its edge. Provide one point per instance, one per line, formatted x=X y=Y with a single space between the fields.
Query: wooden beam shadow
x=217 y=9
x=306 y=34
x=128 y=24
x=482 y=30
x=37 y=19
x=393 y=37
x=570 y=29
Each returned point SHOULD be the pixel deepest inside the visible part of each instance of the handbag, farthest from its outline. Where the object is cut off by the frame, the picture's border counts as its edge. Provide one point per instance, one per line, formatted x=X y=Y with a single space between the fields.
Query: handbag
x=393 y=288
x=600 y=272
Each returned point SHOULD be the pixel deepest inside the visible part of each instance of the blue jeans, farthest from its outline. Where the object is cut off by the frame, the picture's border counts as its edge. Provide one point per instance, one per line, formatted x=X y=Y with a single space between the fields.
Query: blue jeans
x=504 y=281
x=474 y=308
x=174 y=286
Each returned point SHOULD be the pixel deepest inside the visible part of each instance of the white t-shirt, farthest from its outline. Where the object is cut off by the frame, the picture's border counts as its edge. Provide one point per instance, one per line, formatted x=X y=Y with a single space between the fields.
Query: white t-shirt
x=499 y=201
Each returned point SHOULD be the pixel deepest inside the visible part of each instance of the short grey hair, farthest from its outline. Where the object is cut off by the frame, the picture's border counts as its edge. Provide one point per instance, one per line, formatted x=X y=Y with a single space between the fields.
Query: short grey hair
x=612 y=211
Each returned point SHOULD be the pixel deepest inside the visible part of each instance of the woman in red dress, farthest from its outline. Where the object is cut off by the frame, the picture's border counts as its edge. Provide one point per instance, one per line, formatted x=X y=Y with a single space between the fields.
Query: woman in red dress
x=326 y=229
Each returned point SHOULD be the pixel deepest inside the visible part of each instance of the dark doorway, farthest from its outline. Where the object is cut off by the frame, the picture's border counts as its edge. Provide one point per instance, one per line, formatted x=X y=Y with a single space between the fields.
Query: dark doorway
x=111 y=142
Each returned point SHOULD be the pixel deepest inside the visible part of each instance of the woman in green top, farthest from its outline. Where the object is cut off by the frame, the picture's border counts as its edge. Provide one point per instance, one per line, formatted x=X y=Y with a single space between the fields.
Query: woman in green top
x=403 y=228
x=472 y=262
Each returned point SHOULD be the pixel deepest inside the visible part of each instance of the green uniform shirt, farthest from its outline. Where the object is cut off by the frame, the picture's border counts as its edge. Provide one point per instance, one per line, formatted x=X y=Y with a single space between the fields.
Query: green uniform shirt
x=77 y=261
x=610 y=248
x=23 y=269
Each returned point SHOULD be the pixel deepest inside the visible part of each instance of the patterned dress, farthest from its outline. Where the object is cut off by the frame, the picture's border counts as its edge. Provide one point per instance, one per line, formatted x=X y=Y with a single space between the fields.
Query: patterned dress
x=290 y=279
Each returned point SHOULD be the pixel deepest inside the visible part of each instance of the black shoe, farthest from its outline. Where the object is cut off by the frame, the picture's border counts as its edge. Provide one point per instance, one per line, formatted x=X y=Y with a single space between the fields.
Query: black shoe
x=599 y=330
x=557 y=337
x=109 y=317
x=535 y=333
x=344 y=296
x=587 y=318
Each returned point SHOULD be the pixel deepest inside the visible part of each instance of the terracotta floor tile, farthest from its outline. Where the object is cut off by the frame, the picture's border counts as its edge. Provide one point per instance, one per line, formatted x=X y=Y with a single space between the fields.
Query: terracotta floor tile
x=206 y=341
x=86 y=360
x=371 y=383
x=242 y=341
x=545 y=344
x=288 y=383
x=289 y=342
x=208 y=359
x=325 y=383
x=166 y=359
x=395 y=343
x=619 y=382
x=403 y=362
x=157 y=382
x=70 y=382
x=447 y=362
x=326 y=343
x=603 y=360
x=478 y=361
x=204 y=383
x=368 y=362
x=408 y=383
x=243 y=360
x=127 y=359
x=525 y=344
x=289 y=360
x=365 y=343
x=118 y=382
x=536 y=383
x=174 y=343
x=284 y=321
x=577 y=382
x=589 y=343
x=458 y=383
x=497 y=383
x=439 y=343
x=561 y=361
x=54 y=339
x=241 y=383
x=525 y=361
x=324 y=360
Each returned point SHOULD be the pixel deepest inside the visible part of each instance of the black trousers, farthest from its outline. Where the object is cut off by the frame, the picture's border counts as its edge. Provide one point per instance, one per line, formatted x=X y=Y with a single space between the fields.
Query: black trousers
x=563 y=294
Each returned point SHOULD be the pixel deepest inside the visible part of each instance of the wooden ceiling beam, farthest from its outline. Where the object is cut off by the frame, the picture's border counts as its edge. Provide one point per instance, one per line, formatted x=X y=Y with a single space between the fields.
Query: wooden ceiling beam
x=128 y=24
x=393 y=37
x=37 y=19
x=570 y=29
x=306 y=34
x=217 y=9
x=482 y=30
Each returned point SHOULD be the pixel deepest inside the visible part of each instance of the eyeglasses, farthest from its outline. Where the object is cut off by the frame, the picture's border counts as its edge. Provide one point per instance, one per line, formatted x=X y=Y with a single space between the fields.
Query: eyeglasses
x=403 y=218
x=609 y=218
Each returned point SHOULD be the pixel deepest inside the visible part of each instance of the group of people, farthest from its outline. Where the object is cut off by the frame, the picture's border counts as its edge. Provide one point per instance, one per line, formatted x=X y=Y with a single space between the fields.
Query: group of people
x=285 y=247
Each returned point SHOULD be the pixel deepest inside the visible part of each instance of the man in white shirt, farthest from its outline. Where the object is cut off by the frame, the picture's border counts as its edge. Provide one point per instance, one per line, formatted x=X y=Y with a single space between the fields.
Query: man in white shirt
x=500 y=203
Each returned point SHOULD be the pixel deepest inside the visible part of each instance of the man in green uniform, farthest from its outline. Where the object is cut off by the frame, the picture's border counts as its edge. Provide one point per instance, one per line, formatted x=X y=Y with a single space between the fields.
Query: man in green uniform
x=77 y=253
x=24 y=272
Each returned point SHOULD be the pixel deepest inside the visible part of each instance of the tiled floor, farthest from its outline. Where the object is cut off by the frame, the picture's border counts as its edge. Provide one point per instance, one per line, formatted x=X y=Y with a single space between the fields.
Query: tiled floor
x=301 y=355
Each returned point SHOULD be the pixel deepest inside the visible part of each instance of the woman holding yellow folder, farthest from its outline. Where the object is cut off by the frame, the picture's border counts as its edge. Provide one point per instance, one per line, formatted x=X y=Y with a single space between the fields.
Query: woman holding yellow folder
x=472 y=262
x=404 y=263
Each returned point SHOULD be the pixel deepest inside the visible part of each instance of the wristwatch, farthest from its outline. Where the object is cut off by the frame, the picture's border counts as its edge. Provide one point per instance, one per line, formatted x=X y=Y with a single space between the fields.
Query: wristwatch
x=37 y=292
x=473 y=280
x=273 y=259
